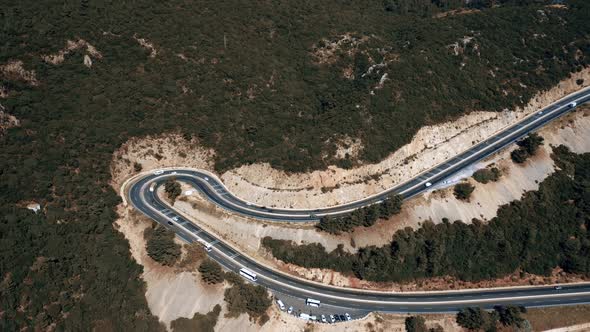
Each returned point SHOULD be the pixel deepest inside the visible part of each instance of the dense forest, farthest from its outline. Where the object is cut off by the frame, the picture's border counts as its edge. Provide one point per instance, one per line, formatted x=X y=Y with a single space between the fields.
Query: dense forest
x=544 y=230
x=258 y=81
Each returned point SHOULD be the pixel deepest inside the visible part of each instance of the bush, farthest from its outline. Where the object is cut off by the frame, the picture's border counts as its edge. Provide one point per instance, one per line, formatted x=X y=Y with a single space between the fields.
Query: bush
x=137 y=167
x=211 y=272
x=172 y=188
x=161 y=246
x=415 y=324
x=510 y=315
x=473 y=318
x=199 y=322
x=486 y=175
x=463 y=190
x=527 y=148
x=366 y=216
x=246 y=298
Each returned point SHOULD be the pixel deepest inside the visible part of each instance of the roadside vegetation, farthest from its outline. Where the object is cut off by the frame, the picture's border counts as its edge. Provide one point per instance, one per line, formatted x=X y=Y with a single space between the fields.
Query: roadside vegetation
x=418 y=324
x=463 y=190
x=477 y=319
x=199 y=322
x=366 y=216
x=243 y=297
x=161 y=246
x=527 y=148
x=486 y=175
x=249 y=81
x=211 y=272
x=523 y=236
x=172 y=189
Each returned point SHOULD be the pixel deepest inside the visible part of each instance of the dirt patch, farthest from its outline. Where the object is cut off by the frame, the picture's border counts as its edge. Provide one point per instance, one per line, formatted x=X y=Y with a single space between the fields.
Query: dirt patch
x=152 y=152
x=455 y=12
x=7 y=121
x=326 y=51
x=72 y=45
x=147 y=45
x=14 y=70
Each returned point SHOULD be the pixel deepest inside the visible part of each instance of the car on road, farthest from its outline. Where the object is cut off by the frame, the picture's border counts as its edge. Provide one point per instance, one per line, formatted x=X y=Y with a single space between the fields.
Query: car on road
x=324 y=320
x=281 y=304
x=347 y=316
x=170 y=223
x=175 y=218
x=290 y=310
x=304 y=316
x=332 y=319
x=206 y=179
x=572 y=104
x=428 y=184
x=558 y=287
x=159 y=172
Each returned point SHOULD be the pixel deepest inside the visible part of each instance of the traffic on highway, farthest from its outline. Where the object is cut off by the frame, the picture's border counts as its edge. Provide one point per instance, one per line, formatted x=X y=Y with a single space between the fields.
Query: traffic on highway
x=351 y=303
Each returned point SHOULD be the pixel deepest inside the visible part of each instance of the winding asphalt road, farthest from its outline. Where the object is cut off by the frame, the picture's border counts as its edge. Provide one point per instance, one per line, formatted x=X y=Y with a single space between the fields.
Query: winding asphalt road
x=142 y=195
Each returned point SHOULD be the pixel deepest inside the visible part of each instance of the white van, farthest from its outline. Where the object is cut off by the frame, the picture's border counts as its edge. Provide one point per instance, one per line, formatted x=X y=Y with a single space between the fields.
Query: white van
x=281 y=305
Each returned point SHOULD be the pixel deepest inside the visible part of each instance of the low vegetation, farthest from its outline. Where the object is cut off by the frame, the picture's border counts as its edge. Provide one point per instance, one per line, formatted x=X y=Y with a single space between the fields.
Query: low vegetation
x=463 y=190
x=161 y=246
x=172 y=189
x=486 y=175
x=211 y=272
x=366 y=216
x=475 y=318
x=523 y=236
x=527 y=147
x=199 y=322
x=244 y=297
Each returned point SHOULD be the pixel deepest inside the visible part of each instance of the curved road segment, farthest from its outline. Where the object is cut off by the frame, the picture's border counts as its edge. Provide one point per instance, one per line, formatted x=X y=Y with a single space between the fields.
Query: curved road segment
x=142 y=195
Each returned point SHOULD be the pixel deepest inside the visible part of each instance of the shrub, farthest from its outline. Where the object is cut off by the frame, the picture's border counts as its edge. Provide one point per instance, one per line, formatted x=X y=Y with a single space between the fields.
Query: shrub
x=199 y=322
x=246 y=298
x=415 y=324
x=486 y=175
x=211 y=272
x=472 y=318
x=366 y=216
x=161 y=246
x=527 y=147
x=172 y=188
x=463 y=190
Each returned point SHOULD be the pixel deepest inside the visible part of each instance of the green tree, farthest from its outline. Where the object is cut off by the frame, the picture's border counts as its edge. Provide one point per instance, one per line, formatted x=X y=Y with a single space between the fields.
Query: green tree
x=472 y=318
x=246 y=298
x=199 y=322
x=531 y=143
x=486 y=175
x=211 y=272
x=161 y=246
x=463 y=190
x=415 y=324
x=172 y=188
x=510 y=315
